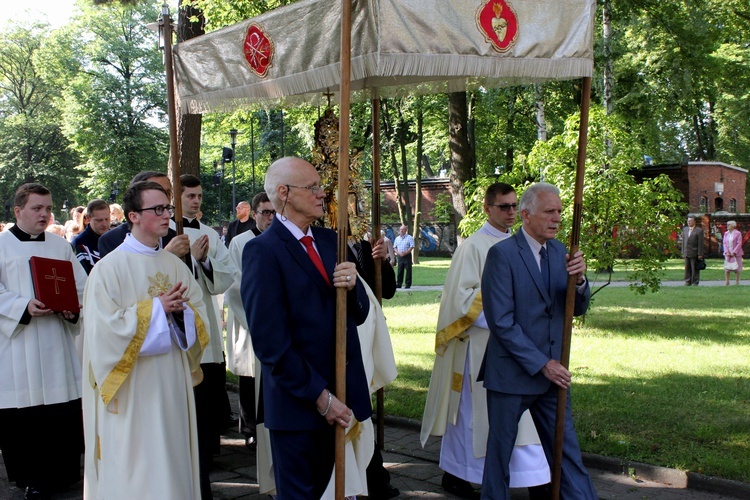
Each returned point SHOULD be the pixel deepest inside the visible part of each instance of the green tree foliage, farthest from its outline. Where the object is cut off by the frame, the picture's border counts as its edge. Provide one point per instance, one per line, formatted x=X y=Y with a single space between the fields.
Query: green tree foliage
x=32 y=145
x=620 y=217
x=114 y=95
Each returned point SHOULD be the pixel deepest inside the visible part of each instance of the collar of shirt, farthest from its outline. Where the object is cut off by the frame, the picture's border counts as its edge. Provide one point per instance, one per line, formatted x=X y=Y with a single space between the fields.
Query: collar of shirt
x=24 y=236
x=535 y=246
x=296 y=231
x=491 y=230
x=132 y=245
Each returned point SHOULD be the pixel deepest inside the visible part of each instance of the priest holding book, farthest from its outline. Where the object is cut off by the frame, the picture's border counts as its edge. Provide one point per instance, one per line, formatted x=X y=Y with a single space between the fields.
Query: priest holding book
x=40 y=375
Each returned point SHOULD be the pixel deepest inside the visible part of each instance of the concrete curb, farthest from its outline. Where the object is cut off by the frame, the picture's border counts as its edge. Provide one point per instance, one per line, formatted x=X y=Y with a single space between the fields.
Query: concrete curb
x=681 y=479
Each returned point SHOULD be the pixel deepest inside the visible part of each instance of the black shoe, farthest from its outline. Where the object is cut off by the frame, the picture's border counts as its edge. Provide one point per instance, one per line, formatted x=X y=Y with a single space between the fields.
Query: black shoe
x=31 y=493
x=541 y=492
x=458 y=486
x=250 y=442
x=383 y=492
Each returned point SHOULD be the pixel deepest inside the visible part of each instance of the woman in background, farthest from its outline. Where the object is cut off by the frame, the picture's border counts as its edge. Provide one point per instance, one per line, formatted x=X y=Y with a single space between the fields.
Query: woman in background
x=732 y=252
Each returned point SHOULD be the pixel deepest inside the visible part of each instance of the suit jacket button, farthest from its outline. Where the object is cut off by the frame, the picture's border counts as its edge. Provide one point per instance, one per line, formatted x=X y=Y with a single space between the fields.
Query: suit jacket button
x=552 y=342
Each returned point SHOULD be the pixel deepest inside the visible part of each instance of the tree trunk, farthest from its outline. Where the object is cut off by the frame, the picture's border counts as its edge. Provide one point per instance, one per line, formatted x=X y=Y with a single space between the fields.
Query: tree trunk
x=189 y=125
x=418 y=183
x=460 y=152
x=471 y=136
x=390 y=139
x=541 y=120
x=609 y=76
x=402 y=135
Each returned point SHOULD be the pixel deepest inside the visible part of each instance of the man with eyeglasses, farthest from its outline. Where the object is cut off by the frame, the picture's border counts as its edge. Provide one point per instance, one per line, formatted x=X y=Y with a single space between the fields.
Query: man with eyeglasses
x=240 y=355
x=178 y=245
x=241 y=224
x=289 y=281
x=214 y=271
x=145 y=332
x=458 y=411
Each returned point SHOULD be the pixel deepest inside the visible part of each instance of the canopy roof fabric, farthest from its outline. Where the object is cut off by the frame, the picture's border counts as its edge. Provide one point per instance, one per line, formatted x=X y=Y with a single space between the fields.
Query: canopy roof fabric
x=291 y=54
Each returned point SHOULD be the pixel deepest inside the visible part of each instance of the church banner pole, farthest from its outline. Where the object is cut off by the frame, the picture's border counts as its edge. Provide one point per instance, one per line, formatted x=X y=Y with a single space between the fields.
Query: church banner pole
x=375 y=105
x=343 y=223
x=575 y=236
x=165 y=29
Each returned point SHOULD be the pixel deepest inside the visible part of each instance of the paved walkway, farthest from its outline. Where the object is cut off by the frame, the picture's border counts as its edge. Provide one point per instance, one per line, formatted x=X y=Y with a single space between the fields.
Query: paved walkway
x=415 y=472
x=594 y=285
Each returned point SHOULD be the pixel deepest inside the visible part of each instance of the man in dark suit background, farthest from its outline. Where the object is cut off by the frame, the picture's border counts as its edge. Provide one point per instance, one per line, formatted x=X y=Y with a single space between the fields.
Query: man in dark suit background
x=289 y=276
x=178 y=245
x=523 y=288
x=692 y=250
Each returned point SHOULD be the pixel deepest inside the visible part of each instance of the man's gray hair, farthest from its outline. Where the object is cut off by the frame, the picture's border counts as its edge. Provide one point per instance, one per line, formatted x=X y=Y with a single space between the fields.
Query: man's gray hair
x=530 y=196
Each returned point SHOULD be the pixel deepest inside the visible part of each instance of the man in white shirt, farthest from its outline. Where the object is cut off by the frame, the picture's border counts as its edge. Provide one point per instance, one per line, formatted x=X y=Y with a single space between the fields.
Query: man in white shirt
x=404 y=246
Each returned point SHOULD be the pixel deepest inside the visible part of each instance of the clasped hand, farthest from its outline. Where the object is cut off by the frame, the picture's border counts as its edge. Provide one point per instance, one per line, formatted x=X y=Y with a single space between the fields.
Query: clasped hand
x=345 y=275
x=173 y=300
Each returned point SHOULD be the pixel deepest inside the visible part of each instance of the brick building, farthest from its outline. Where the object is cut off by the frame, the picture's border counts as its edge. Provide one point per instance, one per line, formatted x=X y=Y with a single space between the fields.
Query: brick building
x=708 y=186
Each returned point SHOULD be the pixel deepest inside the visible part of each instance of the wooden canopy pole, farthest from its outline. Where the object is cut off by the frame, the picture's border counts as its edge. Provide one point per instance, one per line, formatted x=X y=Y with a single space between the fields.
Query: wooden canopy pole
x=380 y=413
x=165 y=25
x=575 y=235
x=343 y=223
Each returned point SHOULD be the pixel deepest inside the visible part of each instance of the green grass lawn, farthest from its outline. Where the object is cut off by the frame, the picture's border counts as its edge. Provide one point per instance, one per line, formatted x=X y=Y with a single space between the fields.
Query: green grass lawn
x=662 y=378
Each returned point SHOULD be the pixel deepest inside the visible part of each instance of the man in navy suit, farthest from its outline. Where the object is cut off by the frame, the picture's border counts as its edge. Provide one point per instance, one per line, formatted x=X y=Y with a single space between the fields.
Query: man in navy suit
x=290 y=304
x=523 y=288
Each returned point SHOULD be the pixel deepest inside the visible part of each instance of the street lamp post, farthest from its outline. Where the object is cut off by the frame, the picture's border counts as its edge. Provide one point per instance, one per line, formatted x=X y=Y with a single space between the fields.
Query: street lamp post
x=252 y=150
x=233 y=136
x=217 y=182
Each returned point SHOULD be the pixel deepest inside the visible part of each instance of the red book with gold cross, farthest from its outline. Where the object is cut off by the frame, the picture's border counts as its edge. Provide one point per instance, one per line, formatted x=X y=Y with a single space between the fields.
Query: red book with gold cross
x=55 y=284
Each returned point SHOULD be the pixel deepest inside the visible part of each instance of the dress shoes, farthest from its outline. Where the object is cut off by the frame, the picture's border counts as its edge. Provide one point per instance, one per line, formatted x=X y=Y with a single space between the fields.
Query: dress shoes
x=250 y=442
x=384 y=493
x=31 y=493
x=458 y=486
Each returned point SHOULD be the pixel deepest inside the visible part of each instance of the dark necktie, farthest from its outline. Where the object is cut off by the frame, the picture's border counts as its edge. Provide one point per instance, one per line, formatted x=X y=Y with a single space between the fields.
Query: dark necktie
x=357 y=249
x=314 y=257
x=544 y=266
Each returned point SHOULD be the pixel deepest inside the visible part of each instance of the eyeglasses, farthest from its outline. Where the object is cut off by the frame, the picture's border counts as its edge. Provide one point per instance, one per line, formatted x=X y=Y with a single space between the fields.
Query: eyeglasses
x=505 y=207
x=159 y=209
x=314 y=189
x=266 y=213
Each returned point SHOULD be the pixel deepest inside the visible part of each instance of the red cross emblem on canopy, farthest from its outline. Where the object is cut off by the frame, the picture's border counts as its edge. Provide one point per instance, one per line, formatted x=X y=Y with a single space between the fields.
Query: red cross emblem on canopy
x=258 y=50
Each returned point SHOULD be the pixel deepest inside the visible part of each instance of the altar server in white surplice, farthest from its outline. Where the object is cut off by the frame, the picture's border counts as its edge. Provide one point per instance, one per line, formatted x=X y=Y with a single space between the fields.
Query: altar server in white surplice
x=456 y=406
x=144 y=336
x=240 y=354
x=40 y=372
x=214 y=271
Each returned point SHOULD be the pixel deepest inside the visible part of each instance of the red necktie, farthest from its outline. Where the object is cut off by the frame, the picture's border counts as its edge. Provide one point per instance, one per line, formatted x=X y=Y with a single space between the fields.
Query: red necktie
x=314 y=257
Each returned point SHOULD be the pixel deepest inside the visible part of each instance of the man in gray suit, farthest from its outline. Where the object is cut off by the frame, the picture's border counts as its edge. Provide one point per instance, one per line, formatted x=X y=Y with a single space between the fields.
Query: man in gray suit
x=692 y=250
x=523 y=289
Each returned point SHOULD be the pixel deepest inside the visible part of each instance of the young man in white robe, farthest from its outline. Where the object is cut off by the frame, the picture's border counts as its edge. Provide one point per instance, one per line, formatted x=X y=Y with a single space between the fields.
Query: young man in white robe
x=240 y=354
x=40 y=374
x=456 y=406
x=214 y=272
x=144 y=336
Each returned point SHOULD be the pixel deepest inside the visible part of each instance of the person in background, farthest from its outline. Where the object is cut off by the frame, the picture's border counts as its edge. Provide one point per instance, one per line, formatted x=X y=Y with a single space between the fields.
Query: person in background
x=242 y=223
x=692 y=250
x=86 y=244
x=116 y=215
x=732 y=243
x=76 y=224
x=404 y=246
x=390 y=253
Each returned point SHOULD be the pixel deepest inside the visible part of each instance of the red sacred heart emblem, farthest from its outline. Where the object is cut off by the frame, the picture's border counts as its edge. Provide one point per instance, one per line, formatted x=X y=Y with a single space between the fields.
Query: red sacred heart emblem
x=258 y=50
x=498 y=23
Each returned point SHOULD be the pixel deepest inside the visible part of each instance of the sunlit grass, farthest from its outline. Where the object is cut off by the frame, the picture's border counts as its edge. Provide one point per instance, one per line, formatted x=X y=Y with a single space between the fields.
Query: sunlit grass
x=662 y=378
